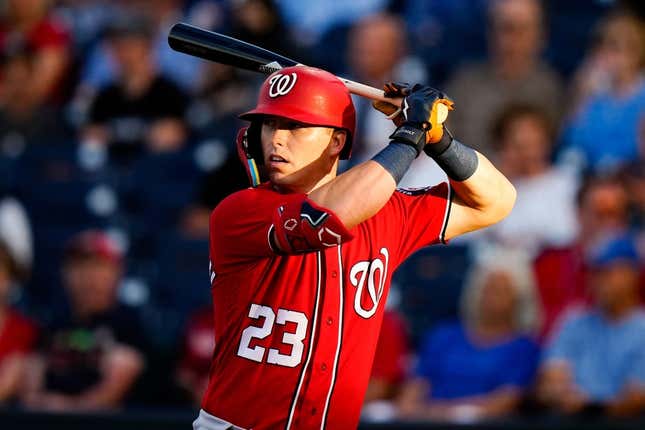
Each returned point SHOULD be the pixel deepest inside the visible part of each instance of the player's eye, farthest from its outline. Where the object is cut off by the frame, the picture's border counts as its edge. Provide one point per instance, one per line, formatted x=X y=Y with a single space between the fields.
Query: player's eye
x=292 y=125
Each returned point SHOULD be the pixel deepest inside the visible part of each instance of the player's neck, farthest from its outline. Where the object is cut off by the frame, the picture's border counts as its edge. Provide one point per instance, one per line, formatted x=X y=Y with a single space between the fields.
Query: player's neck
x=306 y=187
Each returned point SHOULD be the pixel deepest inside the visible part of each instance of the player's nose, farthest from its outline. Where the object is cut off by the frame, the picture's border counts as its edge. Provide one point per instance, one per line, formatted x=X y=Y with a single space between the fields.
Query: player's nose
x=279 y=136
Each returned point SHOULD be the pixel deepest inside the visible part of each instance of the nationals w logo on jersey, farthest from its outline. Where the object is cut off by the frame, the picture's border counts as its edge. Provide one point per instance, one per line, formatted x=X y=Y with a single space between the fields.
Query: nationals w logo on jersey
x=280 y=85
x=375 y=273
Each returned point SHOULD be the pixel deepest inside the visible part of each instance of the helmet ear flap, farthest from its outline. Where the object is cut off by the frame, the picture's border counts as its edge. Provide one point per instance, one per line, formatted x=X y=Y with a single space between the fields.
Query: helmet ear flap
x=254 y=142
x=247 y=151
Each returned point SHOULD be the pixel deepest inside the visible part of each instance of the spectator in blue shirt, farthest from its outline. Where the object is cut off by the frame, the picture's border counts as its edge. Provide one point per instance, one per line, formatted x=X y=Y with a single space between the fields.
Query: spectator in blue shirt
x=479 y=368
x=608 y=115
x=596 y=361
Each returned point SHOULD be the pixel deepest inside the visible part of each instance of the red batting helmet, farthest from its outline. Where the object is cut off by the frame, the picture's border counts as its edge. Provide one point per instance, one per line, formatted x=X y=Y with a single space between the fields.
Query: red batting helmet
x=304 y=94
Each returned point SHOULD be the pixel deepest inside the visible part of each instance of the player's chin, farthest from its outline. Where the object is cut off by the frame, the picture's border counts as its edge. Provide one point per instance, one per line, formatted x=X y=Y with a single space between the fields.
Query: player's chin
x=286 y=181
x=278 y=177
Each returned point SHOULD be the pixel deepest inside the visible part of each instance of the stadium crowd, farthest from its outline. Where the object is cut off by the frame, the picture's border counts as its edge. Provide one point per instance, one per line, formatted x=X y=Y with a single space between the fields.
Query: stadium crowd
x=114 y=149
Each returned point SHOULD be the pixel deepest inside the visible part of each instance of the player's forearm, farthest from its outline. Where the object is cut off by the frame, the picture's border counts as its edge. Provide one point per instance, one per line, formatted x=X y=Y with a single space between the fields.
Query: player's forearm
x=483 y=199
x=487 y=191
x=499 y=402
x=357 y=194
x=120 y=370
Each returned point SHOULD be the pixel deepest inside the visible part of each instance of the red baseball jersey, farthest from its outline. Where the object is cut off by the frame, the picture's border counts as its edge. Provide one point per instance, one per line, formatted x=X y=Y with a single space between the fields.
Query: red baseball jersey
x=296 y=334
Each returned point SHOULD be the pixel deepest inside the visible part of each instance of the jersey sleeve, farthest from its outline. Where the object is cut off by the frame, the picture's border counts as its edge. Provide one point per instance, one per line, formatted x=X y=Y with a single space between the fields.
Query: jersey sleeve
x=257 y=223
x=422 y=214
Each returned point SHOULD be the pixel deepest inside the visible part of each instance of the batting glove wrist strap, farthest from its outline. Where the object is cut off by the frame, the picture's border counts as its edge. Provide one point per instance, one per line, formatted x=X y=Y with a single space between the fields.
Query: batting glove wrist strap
x=412 y=135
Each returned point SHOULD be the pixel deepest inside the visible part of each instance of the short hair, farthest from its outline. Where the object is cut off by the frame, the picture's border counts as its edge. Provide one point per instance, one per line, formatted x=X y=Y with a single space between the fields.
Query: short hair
x=515 y=111
x=628 y=16
x=518 y=266
x=592 y=181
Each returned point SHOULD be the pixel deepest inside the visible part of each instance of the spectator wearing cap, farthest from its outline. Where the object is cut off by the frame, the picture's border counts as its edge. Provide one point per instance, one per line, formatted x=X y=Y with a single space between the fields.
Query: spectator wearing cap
x=141 y=108
x=90 y=359
x=602 y=206
x=17 y=333
x=595 y=362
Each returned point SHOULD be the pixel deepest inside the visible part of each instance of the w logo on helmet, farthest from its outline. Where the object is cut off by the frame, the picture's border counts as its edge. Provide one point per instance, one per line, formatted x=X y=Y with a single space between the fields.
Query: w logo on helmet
x=280 y=85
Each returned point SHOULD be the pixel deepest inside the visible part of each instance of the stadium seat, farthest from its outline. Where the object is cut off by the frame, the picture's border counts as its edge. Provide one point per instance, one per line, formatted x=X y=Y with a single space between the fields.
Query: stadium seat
x=430 y=283
x=160 y=187
x=182 y=280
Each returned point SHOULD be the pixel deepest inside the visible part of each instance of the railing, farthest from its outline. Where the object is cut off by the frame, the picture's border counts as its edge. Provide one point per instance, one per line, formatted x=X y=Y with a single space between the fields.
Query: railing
x=182 y=419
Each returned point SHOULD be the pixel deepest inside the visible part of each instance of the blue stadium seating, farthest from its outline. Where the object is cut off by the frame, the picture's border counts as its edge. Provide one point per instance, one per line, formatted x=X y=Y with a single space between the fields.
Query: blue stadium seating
x=183 y=280
x=430 y=283
x=159 y=188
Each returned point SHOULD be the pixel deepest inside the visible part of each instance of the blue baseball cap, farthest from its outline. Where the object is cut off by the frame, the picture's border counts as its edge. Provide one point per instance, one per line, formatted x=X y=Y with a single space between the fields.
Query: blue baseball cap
x=613 y=250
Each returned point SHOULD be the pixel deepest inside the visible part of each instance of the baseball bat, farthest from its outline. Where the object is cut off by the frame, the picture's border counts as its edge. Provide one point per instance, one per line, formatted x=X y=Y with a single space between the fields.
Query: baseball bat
x=220 y=48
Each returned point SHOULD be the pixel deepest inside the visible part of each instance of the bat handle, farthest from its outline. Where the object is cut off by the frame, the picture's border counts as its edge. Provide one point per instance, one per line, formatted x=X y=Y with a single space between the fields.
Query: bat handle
x=369 y=92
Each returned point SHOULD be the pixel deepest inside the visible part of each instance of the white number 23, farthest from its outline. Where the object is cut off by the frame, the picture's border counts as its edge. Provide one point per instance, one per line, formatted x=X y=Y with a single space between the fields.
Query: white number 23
x=274 y=356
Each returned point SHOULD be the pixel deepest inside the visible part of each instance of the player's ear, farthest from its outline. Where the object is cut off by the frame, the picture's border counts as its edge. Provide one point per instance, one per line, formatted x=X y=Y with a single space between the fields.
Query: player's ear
x=338 y=141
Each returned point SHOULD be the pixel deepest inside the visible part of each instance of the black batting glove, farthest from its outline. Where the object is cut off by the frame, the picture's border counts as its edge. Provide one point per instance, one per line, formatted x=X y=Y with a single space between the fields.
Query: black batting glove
x=419 y=110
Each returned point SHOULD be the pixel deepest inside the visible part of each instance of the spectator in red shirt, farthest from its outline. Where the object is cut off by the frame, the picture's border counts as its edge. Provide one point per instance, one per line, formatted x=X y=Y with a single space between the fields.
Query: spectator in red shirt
x=28 y=25
x=17 y=334
x=192 y=374
x=390 y=366
x=562 y=273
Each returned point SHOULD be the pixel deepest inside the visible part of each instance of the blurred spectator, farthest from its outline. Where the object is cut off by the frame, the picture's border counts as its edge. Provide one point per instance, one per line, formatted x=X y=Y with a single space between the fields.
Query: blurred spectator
x=91 y=358
x=259 y=22
x=602 y=204
x=100 y=68
x=223 y=93
x=480 y=367
x=195 y=362
x=595 y=362
x=320 y=16
x=15 y=233
x=376 y=53
x=446 y=33
x=513 y=73
x=634 y=177
x=608 y=118
x=22 y=122
x=28 y=26
x=390 y=362
x=85 y=20
x=142 y=107
x=17 y=334
x=544 y=213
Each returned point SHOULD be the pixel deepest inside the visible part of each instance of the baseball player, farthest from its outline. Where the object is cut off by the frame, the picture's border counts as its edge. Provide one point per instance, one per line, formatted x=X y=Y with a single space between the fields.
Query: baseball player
x=301 y=262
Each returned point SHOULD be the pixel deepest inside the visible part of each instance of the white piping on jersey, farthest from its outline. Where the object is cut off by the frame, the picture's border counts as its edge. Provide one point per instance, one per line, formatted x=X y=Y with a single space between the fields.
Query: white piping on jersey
x=311 y=221
x=444 y=225
x=271 y=228
x=340 y=338
x=210 y=269
x=311 y=344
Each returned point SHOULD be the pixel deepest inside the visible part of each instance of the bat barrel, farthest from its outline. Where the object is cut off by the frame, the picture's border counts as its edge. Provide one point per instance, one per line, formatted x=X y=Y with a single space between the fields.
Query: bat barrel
x=213 y=46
